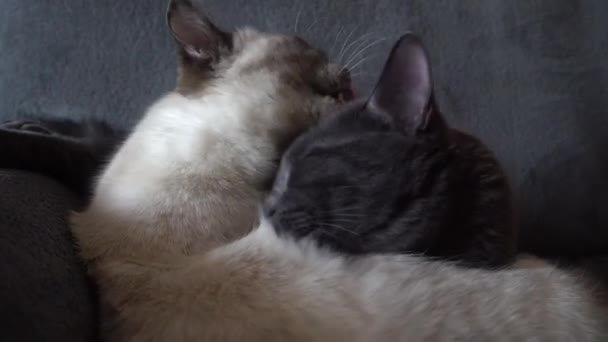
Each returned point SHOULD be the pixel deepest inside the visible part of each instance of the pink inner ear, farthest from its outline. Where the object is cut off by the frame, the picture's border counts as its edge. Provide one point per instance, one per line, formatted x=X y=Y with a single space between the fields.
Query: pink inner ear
x=421 y=88
x=189 y=30
x=194 y=52
x=405 y=86
x=199 y=37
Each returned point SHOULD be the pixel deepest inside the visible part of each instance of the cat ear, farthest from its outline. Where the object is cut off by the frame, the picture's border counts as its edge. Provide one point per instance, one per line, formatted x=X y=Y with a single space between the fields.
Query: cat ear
x=405 y=88
x=199 y=38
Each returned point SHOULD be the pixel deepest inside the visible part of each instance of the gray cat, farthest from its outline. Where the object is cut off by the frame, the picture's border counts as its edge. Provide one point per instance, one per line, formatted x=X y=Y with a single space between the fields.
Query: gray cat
x=393 y=177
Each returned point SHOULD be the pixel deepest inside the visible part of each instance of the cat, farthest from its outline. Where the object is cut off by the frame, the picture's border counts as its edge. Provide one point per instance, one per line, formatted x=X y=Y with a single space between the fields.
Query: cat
x=70 y=152
x=173 y=239
x=203 y=157
x=394 y=178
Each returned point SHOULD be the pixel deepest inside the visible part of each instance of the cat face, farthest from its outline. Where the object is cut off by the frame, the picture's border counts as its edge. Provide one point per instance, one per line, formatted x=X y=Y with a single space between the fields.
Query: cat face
x=389 y=175
x=287 y=69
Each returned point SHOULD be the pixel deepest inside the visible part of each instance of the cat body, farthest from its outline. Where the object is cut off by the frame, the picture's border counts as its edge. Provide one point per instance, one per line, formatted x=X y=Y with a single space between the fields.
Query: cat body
x=267 y=288
x=172 y=239
x=191 y=176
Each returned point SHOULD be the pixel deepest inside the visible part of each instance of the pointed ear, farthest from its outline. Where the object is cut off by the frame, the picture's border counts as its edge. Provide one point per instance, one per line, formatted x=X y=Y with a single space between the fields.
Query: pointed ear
x=199 y=39
x=405 y=88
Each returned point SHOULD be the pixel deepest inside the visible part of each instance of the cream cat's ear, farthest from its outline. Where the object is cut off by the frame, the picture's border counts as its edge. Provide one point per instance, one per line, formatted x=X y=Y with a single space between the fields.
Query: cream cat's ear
x=199 y=38
x=405 y=88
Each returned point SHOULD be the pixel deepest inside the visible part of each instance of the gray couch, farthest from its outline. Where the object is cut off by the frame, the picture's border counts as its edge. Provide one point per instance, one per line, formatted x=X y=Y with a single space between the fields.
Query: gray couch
x=528 y=76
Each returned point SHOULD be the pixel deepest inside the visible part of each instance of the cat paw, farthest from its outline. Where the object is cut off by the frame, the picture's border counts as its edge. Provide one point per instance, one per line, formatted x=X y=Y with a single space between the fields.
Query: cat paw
x=31 y=126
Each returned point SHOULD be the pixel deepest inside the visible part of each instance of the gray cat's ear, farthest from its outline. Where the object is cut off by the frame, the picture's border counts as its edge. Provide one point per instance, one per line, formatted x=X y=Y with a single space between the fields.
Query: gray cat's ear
x=405 y=88
x=200 y=40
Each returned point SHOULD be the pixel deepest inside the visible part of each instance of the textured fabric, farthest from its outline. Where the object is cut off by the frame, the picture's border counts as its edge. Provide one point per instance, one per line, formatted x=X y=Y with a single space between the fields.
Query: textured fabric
x=44 y=294
x=528 y=76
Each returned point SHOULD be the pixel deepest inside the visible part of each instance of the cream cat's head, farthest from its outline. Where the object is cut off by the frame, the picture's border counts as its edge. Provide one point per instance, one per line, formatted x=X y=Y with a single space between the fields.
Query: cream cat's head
x=289 y=72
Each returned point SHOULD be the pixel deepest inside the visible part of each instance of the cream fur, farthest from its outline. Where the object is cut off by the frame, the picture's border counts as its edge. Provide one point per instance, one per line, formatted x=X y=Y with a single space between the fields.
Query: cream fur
x=168 y=237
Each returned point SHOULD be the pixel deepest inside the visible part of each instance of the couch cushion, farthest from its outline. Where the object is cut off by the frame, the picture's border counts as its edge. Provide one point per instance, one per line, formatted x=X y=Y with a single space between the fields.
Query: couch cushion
x=44 y=293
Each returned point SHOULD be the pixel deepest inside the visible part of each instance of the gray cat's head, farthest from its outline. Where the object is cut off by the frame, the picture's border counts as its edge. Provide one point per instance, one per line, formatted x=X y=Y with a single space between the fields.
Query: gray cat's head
x=389 y=174
x=291 y=73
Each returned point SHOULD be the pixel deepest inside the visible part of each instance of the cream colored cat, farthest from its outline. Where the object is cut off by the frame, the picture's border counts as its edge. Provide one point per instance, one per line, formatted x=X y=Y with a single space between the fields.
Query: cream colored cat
x=169 y=239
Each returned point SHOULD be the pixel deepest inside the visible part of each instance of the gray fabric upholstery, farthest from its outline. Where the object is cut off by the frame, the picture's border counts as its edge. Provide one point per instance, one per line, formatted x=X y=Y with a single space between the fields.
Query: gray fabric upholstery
x=44 y=294
x=528 y=76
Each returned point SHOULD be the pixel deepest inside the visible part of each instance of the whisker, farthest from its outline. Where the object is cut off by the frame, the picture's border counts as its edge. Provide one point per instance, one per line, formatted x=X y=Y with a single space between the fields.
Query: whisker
x=339 y=210
x=333 y=46
x=299 y=227
x=311 y=25
x=338 y=227
x=325 y=232
x=348 y=66
x=349 y=216
x=367 y=47
x=345 y=43
x=359 y=41
x=342 y=209
x=357 y=44
x=345 y=221
x=298 y=220
x=359 y=63
x=295 y=26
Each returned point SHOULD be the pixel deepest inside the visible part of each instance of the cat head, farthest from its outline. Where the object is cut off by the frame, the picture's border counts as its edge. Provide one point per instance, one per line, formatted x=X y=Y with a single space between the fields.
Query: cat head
x=285 y=69
x=389 y=175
